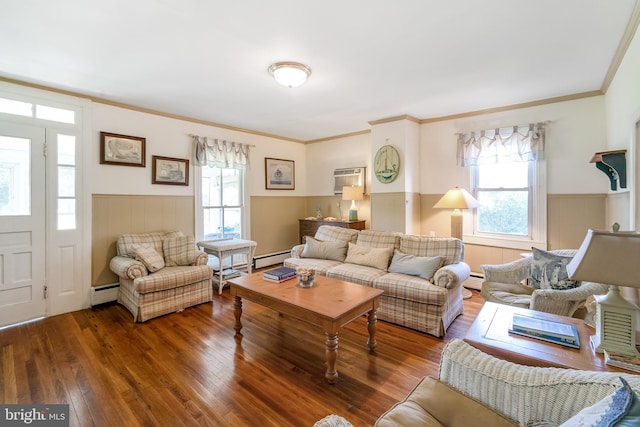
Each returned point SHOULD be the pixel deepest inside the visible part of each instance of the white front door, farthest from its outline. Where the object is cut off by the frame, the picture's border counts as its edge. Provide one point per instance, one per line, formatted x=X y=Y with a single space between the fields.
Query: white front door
x=22 y=223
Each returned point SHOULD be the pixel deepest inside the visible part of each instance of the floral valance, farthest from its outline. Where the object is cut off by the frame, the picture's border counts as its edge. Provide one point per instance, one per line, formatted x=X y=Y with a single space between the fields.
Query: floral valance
x=224 y=154
x=501 y=145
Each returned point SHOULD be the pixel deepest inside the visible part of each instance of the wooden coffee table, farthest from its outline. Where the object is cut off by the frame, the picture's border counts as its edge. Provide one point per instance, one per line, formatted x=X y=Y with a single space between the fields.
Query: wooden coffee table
x=489 y=333
x=330 y=304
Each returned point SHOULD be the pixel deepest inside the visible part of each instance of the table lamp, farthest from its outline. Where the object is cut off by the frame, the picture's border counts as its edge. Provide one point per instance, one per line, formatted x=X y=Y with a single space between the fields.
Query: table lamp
x=353 y=193
x=456 y=199
x=612 y=259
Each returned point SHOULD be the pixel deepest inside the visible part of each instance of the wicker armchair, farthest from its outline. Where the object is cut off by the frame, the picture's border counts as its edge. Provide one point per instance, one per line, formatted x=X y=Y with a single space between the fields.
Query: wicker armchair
x=508 y=284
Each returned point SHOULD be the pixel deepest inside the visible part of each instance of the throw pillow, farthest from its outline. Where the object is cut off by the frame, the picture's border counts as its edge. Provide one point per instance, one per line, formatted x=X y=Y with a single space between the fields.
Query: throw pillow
x=423 y=266
x=179 y=251
x=549 y=271
x=367 y=256
x=620 y=409
x=146 y=254
x=314 y=248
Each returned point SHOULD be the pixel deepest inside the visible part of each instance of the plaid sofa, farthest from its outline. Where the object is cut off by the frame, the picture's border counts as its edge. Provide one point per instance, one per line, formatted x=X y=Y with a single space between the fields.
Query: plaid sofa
x=411 y=301
x=170 y=289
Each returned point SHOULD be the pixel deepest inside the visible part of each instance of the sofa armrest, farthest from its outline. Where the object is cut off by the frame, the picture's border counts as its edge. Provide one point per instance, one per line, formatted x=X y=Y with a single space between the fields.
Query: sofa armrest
x=525 y=393
x=451 y=275
x=565 y=302
x=296 y=251
x=127 y=267
x=202 y=258
x=511 y=272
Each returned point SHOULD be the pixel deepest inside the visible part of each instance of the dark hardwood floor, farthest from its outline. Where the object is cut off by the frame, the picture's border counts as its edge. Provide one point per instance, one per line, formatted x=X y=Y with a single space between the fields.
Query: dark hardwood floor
x=188 y=368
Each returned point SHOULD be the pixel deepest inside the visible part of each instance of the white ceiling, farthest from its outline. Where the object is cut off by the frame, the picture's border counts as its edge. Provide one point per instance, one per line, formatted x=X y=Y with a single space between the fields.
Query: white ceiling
x=371 y=59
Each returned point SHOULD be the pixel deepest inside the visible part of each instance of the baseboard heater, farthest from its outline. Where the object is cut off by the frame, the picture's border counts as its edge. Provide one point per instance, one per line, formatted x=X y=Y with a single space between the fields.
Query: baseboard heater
x=265 y=260
x=104 y=293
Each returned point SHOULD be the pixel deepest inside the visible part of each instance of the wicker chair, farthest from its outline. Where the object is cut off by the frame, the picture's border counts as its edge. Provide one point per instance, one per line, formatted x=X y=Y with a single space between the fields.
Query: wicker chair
x=508 y=284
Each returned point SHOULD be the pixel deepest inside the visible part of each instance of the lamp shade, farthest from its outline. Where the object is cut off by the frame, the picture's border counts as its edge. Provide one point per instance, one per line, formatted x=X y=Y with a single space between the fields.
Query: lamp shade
x=609 y=258
x=353 y=192
x=457 y=198
x=290 y=74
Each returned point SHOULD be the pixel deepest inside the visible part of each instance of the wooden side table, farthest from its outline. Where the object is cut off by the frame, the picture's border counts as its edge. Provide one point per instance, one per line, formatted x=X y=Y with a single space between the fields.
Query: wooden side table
x=489 y=333
x=308 y=227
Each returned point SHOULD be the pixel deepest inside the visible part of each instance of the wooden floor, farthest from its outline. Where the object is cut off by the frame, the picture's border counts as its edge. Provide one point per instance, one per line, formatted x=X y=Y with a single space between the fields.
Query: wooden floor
x=188 y=368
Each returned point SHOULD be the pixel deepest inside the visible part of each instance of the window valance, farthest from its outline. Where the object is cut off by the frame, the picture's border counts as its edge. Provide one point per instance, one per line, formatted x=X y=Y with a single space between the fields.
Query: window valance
x=500 y=145
x=224 y=154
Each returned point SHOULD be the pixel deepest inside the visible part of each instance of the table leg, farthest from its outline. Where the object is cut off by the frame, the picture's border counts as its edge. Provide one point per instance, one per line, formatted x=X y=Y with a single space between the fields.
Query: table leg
x=237 y=312
x=372 y=319
x=220 y=275
x=332 y=353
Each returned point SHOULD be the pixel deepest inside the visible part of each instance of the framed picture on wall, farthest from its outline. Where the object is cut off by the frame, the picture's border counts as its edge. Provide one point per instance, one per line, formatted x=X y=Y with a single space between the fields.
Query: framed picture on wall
x=123 y=150
x=279 y=174
x=169 y=171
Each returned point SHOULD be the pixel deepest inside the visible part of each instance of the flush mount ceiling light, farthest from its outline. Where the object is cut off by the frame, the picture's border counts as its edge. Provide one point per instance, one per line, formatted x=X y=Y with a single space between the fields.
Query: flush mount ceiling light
x=290 y=74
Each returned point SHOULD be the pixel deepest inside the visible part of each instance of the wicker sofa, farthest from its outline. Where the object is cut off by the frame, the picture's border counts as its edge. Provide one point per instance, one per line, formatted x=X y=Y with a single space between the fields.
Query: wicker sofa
x=427 y=304
x=476 y=389
x=160 y=273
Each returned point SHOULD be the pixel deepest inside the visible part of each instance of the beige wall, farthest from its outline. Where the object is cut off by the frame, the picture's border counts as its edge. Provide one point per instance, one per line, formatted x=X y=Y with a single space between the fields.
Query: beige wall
x=117 y=214
x=274 y=222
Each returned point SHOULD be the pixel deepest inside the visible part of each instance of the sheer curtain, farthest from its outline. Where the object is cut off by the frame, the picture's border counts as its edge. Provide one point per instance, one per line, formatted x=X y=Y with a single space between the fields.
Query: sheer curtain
x=500 y=145
x=220 y=153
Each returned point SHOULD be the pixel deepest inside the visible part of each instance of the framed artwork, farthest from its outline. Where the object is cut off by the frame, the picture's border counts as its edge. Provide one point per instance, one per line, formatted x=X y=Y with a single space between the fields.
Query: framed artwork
x=169 y=171
x=123 y=150
x=279 y=174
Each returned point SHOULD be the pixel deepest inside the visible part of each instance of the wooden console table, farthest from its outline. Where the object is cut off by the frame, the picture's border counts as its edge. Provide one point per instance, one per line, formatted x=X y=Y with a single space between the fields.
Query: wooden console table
x=308 y=227
x=489 y=333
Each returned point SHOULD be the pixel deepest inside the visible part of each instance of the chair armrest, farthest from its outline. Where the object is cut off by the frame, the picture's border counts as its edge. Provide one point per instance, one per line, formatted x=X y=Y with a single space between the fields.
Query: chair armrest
x=511 y=272
x=296 y=251
x=525 y=393
x=451 y=275
x=565 y=302
x=202 y=258
x=127 y=267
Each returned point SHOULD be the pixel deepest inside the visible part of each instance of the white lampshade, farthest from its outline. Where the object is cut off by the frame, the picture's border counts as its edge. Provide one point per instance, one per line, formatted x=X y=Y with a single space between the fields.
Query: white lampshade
x=612 y=259
x=290 y=74
x=457 y=198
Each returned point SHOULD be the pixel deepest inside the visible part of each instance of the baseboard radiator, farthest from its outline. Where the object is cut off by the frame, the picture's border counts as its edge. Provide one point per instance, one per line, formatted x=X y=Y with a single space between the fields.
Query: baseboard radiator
x=104 y=293
x=265 y=260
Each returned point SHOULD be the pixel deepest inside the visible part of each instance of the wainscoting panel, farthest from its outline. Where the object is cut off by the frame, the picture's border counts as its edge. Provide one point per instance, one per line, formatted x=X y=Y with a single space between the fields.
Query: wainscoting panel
x=274 y=222
x=115 y=214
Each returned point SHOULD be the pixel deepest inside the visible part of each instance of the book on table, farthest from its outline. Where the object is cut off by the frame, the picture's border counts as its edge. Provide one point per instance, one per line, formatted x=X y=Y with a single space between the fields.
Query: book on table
x=279 y=274
x=625 y=362
x=547 y=330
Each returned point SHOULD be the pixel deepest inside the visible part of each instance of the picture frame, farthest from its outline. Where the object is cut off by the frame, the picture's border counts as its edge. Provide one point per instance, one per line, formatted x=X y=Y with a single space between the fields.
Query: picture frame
x=122 y=150
x=279 y=174
x=169 y=171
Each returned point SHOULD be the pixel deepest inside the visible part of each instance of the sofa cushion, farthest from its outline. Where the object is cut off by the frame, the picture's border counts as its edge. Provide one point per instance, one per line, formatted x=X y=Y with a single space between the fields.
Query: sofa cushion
x=451 y=250
x=355 y=273
x=621 y=409
x=549 y=271
x=321 y=265
x=379 y=239
x=369 y=256
x=433 y=403
x=179 y=251
x=332 y=233
x=172 y=277
x=123 y=245
x=314 y=248
x=412 y=265
x=146 y=254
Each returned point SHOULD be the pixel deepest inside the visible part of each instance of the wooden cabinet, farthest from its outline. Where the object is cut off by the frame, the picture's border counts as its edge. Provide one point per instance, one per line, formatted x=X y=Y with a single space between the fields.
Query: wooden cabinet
x=308 y=227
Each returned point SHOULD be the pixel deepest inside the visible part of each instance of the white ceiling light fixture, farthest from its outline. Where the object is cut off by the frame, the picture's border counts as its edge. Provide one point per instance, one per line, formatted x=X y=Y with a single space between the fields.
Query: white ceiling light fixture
x=290 y=74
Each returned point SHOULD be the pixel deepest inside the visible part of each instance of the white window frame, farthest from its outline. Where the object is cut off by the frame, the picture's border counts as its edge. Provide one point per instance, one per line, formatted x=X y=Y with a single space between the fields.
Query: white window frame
x=537 y=215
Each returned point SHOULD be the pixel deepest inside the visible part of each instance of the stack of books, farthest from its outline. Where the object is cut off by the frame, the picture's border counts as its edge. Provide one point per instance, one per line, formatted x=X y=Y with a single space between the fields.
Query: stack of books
x=546 y=330
x=625 y=362
x=279 y=275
